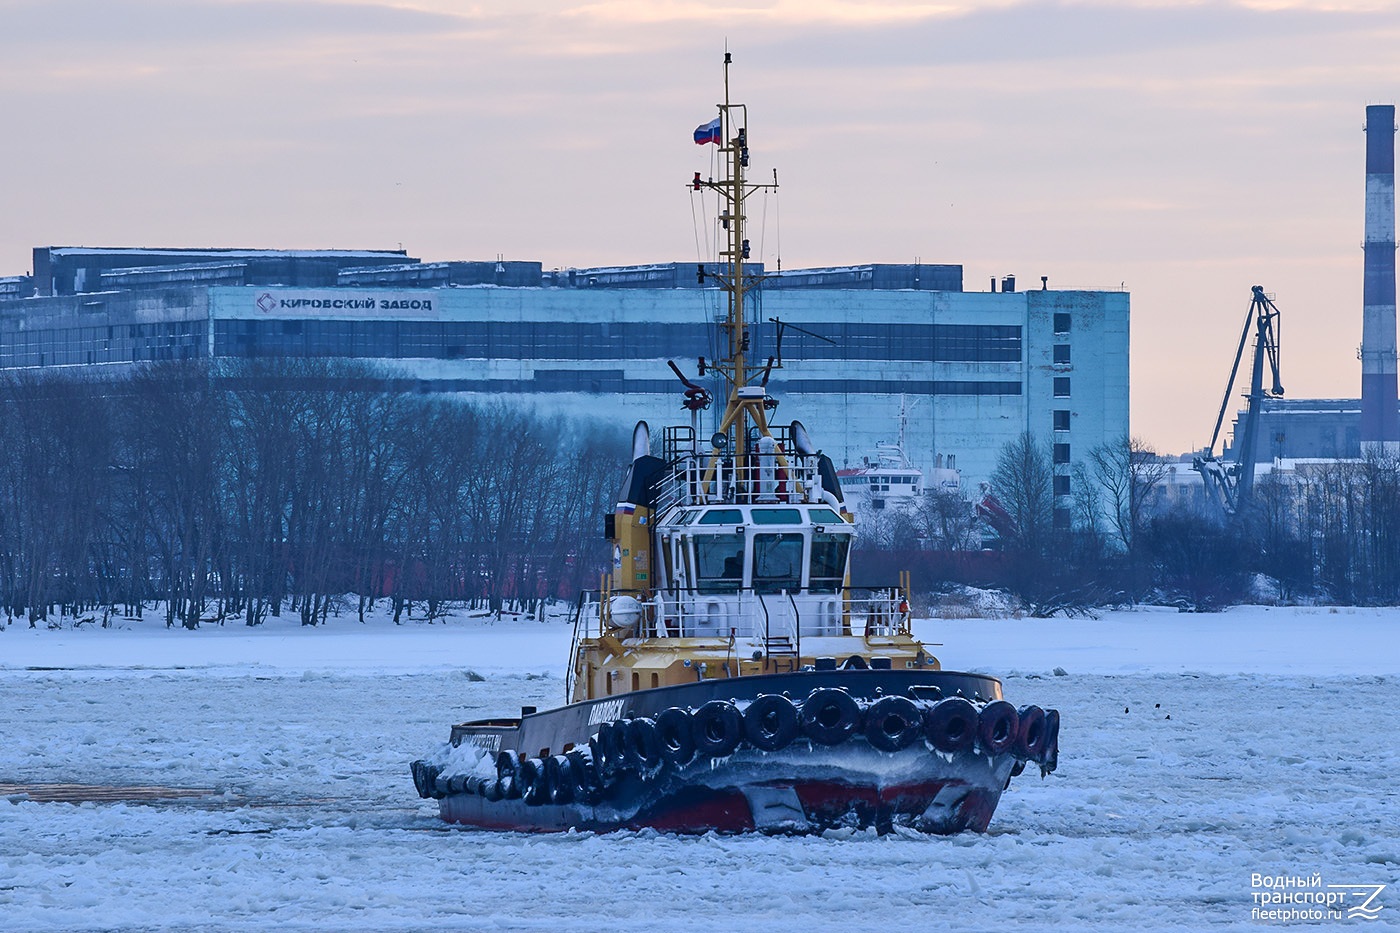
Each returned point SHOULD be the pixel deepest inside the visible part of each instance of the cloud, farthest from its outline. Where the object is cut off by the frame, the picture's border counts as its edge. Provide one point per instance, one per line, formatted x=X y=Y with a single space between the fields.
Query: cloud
x=779 y=12
x=30 y=23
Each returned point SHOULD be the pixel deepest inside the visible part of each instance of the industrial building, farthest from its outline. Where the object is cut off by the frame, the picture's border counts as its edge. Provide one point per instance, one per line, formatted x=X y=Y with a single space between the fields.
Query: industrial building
x=864 y=347
x=1349 y=428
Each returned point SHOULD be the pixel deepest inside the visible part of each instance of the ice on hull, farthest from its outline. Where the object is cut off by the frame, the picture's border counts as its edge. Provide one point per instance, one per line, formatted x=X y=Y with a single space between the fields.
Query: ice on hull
x=885 y=749
x=784 y=806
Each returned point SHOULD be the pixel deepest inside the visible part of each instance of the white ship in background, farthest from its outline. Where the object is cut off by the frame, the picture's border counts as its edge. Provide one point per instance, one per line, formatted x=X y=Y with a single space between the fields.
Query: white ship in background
x=887 y=480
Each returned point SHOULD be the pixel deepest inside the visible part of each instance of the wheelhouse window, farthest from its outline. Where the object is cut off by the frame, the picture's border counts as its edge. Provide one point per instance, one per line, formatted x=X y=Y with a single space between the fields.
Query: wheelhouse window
x=828 y=562
x=777 y=563
x=719 y=563
x=722 y=517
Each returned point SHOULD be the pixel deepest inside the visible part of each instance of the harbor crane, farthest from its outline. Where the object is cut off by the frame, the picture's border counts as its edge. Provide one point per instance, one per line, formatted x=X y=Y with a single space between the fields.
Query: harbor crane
x=1231 y=482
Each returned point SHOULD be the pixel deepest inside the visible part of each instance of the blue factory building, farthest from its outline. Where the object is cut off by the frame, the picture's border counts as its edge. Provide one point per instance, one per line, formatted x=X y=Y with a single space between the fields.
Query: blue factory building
x=868 y=347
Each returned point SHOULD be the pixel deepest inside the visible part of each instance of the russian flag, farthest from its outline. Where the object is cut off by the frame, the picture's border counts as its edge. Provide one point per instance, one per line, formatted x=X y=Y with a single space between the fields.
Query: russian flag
x=709 y=133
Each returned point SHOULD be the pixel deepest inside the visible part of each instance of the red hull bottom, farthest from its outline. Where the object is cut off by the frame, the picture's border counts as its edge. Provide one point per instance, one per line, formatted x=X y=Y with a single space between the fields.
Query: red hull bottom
x=793 y=807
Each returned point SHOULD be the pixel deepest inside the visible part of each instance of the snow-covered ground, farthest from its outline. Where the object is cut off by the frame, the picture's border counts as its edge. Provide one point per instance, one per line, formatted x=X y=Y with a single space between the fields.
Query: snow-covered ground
x=1279 y=758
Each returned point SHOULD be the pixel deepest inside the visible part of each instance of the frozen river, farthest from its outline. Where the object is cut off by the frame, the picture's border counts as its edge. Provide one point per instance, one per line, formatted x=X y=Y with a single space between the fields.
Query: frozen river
x=1175 y=787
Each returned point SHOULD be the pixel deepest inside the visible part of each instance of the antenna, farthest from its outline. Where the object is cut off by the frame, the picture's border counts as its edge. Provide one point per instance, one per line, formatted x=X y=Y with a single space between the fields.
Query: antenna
x=784 y=326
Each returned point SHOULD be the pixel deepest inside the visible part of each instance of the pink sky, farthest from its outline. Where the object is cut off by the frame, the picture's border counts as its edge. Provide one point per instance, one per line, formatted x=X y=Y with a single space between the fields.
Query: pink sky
x=1187 y=150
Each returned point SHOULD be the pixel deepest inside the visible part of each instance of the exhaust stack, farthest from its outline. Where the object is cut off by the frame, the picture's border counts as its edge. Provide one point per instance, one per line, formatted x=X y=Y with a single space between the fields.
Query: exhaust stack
x=1380 y=420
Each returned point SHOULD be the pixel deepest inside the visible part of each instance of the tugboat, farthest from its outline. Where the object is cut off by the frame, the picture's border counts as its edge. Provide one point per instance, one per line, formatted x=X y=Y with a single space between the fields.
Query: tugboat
x=726 y=676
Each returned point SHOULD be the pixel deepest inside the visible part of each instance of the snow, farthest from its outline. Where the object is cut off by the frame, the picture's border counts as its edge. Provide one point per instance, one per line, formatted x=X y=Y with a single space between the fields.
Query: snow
x=1278 y=758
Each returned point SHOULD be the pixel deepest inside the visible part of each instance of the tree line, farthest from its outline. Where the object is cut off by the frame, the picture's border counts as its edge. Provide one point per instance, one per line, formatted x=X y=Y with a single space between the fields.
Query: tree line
x=243 y=490
x=1328 y=531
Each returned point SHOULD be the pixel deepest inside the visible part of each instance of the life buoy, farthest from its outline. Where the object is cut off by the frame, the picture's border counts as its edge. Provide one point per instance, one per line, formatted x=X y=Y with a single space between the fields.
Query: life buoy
x=718 y=727
x=996 y=727
x=674 y=729
x=951 y=725
x=893 y=723
x=643 y=746
x=771 y=722
x=829 y=716
x=1030 y=732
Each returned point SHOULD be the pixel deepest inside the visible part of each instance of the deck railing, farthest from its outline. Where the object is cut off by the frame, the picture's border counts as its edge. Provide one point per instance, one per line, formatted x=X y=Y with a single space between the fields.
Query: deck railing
x=746 y=613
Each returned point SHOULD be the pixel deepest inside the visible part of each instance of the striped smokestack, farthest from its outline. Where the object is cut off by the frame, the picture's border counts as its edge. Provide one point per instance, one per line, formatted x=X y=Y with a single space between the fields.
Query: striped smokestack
x=1380 y=422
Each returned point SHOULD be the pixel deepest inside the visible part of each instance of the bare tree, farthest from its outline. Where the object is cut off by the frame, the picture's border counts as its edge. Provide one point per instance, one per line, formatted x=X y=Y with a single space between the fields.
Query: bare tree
x=1127 y=470
x=1023 y=482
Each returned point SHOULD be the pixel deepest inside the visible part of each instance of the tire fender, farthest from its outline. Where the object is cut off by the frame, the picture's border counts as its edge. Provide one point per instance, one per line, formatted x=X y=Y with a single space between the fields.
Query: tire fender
x=771 y=722
x=830 y=716
x=950 y=725
x=718 y=728
x=677 y=735
x=893 y=723
x=996 y=727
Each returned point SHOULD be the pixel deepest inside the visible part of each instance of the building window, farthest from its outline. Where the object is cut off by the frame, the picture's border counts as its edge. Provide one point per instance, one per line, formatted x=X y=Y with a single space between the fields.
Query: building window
x=1062 y=453
x=1061 y=323
x=1061 y=387
x=1061 y=518
x=1061 y=419
x=1062 y=485
x=1061 y=353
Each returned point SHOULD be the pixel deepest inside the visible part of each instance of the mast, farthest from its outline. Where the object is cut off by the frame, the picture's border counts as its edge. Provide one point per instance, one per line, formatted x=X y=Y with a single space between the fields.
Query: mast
x=742 y=407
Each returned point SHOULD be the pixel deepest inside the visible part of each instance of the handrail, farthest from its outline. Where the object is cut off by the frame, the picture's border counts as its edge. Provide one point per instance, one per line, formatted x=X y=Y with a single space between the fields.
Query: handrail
x=873 y=611
x=796 y=625
x=767 y=627
x=683 y=484
x=570 y=676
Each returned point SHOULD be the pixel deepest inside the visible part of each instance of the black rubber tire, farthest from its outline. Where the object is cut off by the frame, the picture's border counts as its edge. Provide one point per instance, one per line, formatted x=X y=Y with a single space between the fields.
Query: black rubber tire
x=996 y=727
x=420 y=782
x=1030 y=733
x=507 y=773
x=950 y=725
x=601 y=771
x=771 y=722
x=830 y=716
x=613 y=737
x=893 y=723
x=534 y=786
x=718 y=728
x=674 y=728
x=492 y=791
x=643 y=745
x=587 y=786
x=559 y=779
x=1050 y=757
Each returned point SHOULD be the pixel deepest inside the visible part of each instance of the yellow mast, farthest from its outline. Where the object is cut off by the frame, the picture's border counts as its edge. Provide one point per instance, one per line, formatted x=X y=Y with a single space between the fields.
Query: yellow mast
x=734 y=192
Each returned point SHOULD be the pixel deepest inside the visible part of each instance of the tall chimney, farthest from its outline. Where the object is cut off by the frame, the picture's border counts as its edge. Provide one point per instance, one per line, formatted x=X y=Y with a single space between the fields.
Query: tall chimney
x=1380 y=422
